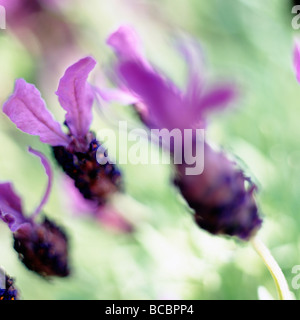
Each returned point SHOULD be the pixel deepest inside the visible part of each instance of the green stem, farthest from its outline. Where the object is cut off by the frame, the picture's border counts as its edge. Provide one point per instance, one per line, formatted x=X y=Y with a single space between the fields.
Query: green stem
x=272 y=265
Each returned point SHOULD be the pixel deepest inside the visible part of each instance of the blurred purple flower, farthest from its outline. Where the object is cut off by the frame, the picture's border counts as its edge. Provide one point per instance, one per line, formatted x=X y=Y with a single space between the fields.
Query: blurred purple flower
x=222 y=197
x=167 y=105
x=42 y=247
x=108 y=217
x=76 y=151
x=44 y=30
x=41 y=19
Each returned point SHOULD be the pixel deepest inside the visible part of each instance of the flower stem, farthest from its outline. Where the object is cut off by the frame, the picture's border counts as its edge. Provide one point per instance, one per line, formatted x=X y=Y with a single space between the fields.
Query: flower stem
x=273 y=267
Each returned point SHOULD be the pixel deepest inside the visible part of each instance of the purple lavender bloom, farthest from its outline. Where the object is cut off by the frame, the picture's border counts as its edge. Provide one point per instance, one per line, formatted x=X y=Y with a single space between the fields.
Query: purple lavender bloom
x=75 y=151
x=7 y=288
x=42 y=246
x=221 y=197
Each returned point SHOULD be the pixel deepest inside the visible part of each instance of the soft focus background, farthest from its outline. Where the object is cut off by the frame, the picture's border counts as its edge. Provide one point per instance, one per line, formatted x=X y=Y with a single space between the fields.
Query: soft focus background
x=167 y=256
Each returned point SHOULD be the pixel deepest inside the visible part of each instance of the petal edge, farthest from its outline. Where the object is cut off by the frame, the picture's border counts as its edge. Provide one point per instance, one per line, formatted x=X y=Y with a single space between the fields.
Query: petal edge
x=27 y=110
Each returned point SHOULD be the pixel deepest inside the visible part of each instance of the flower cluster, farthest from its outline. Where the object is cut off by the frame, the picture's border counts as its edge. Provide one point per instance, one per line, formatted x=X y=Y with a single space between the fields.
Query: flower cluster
x=221 y=197
x=43 y=246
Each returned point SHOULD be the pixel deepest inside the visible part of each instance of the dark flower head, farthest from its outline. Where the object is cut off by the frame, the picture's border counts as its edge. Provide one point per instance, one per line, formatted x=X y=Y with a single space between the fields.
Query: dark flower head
x=95 y=182
x=7 y=288
x=74 y=151
x=222 y=197
x=42 y=247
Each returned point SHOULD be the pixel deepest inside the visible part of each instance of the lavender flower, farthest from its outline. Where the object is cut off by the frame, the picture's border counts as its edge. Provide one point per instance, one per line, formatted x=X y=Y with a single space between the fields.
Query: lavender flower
x=42 y=246
x=76 y=151
x=222 y=197
x=7 y=288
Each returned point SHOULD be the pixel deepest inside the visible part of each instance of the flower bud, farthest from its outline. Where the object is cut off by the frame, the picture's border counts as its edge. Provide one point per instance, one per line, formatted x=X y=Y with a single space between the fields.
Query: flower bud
x=43 y=248
x=222 y=197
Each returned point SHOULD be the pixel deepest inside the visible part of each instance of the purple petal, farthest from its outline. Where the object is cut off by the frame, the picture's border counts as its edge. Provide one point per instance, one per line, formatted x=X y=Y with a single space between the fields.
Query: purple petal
x=106 y=215
x=116 y=95
x=161 y=97
x=167 y=106
x=218 y=97
x=198 y=101
x=49 y=173
x=76 y=96
x=27 y=110
x=75 y=201
x=297 y=60
x=11 y=211
x=126 y=43
x=194 y=57
x=9 y=197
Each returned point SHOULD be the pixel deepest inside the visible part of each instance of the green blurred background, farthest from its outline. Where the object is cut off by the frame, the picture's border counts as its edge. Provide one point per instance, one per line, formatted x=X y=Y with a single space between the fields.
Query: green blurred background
x=167 y=256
